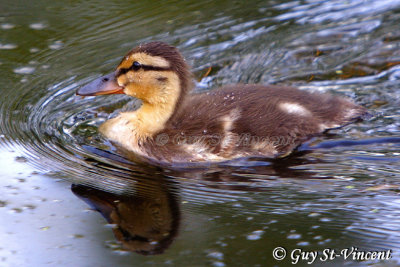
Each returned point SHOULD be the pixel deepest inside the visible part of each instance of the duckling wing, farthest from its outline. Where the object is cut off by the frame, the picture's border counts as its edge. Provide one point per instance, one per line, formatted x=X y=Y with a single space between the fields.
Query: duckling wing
x=263 y=120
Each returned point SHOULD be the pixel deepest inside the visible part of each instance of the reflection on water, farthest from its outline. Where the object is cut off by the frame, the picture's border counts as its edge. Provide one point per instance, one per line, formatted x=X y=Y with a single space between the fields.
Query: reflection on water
x=338 y=191
x=145 y=222
x=146 y=217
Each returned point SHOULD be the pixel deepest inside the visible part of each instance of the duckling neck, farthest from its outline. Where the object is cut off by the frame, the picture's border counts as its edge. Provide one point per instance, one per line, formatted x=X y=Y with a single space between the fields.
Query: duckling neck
x=152 y=118
x=136 y=126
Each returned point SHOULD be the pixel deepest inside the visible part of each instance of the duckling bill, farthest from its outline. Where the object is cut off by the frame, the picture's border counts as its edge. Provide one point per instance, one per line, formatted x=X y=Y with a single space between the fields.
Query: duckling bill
x=173 y=125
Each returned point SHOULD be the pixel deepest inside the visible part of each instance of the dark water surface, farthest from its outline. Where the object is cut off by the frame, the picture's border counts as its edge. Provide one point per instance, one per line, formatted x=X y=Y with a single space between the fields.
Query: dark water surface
x=55 y=168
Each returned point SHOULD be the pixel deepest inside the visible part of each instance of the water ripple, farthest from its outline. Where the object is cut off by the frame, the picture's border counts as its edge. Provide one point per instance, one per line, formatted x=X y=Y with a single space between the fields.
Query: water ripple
x=340 y=184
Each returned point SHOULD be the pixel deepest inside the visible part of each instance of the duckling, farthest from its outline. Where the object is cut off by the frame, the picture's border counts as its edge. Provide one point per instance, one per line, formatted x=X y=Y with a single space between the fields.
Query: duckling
x=234 y=121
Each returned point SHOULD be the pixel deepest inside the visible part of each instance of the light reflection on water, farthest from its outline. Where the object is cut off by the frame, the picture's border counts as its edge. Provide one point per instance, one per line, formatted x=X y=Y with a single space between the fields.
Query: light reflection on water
x=335 y=196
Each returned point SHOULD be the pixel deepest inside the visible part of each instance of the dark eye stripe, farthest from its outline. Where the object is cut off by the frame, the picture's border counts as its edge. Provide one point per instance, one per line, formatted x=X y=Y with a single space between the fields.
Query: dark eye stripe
x=143 y=67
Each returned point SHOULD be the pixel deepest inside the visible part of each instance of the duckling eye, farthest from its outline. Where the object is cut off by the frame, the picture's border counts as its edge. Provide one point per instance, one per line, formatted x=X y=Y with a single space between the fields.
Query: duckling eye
x=136 y=65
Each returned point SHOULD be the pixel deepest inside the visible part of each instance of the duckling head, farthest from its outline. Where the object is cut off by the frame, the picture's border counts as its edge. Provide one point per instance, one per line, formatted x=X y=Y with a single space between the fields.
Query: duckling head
x=155 y=73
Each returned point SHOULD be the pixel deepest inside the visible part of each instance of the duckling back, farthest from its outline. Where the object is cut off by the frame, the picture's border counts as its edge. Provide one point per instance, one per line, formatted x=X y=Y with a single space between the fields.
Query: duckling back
x=250 y=120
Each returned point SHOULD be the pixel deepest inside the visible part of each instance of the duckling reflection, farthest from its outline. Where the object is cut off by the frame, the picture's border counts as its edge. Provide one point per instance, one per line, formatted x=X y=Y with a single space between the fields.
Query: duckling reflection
x=146 y=222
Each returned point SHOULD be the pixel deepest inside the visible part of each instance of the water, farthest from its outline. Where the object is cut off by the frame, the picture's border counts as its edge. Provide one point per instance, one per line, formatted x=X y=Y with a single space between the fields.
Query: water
x=342 y=193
